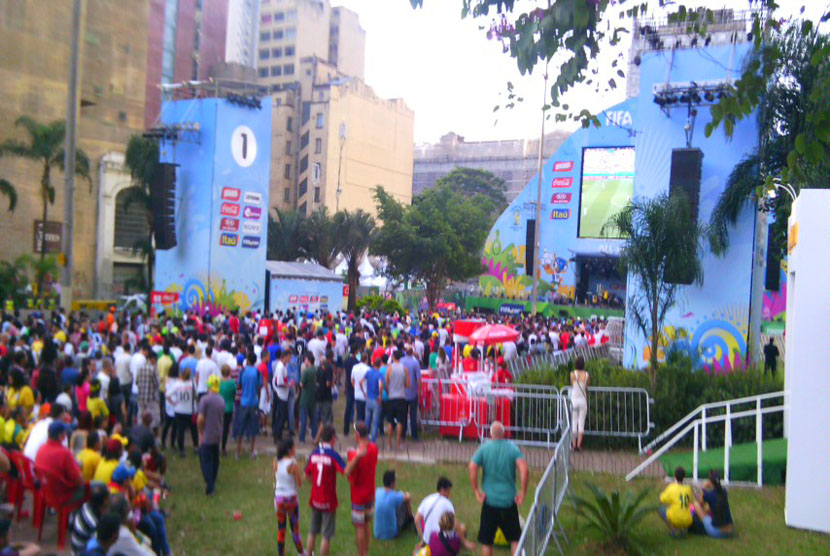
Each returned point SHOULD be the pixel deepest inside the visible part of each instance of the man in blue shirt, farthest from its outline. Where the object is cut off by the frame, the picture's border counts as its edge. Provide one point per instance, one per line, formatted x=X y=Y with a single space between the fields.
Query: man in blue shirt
x=247 y=422
x=293 y=368
x=69 y=374
x=393 y=512
x=374 y=386
x=413 y=367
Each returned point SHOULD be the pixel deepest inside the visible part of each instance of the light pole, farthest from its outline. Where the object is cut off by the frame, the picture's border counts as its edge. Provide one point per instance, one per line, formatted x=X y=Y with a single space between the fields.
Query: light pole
x=343 y=135
x=536 y=240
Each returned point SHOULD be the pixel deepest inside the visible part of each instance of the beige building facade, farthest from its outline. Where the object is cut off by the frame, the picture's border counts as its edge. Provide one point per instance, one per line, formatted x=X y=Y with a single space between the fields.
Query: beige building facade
x=34 y=61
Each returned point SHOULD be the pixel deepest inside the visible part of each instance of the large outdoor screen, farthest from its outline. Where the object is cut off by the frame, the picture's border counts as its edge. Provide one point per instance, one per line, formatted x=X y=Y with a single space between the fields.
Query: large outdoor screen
x=607 y=186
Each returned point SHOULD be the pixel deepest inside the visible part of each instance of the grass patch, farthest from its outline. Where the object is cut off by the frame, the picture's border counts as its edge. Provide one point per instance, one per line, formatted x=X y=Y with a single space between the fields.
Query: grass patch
x=202 y=525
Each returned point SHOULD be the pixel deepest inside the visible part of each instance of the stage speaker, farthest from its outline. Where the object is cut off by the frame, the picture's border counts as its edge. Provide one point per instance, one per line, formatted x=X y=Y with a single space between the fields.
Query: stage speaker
x=163 y=205
x=530 y=246
x=686 y=168
x=772 y=281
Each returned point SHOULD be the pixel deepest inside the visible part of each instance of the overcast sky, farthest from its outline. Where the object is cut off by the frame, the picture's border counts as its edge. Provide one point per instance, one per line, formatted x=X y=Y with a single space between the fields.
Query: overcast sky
x=452 y=76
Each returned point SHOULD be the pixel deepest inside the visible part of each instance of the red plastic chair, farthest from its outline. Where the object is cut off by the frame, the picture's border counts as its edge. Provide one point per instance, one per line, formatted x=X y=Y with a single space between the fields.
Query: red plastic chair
x=11 y=482
x=26 y=471
x=47 y=500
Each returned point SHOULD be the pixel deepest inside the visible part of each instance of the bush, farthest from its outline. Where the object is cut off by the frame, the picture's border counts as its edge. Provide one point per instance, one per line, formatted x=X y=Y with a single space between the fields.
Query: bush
x=380 y=303
x=680 y=389
x=616 y=517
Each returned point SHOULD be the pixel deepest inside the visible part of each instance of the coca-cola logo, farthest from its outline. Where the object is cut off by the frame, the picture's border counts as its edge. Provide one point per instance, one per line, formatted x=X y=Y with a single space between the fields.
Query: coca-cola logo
x=562 y=182
x=229 y=209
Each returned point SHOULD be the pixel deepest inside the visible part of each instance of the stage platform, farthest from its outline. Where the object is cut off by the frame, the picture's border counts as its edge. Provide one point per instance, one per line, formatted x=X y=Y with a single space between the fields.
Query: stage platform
x=547 y=309
x=742 y=464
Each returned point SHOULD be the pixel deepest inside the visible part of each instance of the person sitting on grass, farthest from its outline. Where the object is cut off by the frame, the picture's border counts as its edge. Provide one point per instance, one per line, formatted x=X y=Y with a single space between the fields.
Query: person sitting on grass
x=676 y=501
x=428 y=516
x=393 y=512
x=712 y=515
x=445 y=542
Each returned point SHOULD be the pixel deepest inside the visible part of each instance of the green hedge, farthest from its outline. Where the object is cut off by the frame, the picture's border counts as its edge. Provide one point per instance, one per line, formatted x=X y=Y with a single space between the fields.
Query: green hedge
x=380 y=303
x=680 y=389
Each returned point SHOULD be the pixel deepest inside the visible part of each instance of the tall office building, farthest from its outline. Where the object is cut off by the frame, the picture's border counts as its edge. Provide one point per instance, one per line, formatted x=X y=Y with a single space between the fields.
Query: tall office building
x=347 y=42
x=241 y=35
x=34 y=62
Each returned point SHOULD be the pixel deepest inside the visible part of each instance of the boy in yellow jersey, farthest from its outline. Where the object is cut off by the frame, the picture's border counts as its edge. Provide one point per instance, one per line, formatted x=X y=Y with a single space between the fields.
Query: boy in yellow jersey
x=90 y=457
x=676 y=502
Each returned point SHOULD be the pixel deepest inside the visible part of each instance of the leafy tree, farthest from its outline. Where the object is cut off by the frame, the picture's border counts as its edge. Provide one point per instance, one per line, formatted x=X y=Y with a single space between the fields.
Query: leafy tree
x=472 y=181
x=616 y=517
x=45 y=145
x=142 y=159
x=788 y=79
x=661 y=241
x=286 y=235
x=355 y=231
x=13 y=279
x=436 y=240
x=8 y=191
x=42 y=268
x=322 y=243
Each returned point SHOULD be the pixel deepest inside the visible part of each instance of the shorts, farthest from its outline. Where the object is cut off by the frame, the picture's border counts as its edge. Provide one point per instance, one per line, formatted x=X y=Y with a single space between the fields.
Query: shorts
x=395 y=411
x=362 y=513
x=494 y=518
x=326 y=413
x=247 y=422
x=322 y=522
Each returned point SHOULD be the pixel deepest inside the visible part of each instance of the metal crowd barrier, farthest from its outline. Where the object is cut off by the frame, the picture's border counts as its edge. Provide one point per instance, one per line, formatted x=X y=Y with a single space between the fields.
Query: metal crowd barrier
x=543 y=522
x=556 y=359
x=617 y=411
x=531 y=413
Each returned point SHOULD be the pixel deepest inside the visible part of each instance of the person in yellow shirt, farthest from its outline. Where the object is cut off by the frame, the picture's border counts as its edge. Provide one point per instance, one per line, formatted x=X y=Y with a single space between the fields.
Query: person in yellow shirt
x=94 y=404
x=16 y=430
x=112 y=454
x=20 y=394
x=90 y=457
x=677 y=500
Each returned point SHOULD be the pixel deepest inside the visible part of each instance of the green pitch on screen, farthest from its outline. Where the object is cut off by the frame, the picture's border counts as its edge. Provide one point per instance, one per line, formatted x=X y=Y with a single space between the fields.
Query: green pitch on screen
x=602 y=198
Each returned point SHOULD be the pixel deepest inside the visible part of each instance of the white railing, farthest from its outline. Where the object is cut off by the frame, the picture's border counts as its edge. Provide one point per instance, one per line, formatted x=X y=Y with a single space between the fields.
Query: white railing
x=616 y=411
x=697 y=422
x=524 y=363
x=543 y=522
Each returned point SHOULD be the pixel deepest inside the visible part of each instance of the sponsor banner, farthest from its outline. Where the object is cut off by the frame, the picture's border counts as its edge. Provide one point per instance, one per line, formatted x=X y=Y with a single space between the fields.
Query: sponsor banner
x=324 y=299
x=511 y=309
x=346 y=290
x=562 y=182
x=314 y=299
x=164 y=298
x=252 y=212
x=560 y=214
x=253 y=198
x=560 y=198
x=292 y=299
x=229 y=240
x=229 y=209
x=251 y=227
x=230 y=194
x=53 y=237
x=304 y=299
x=229 y=224
x=250 y=242
x=563 y=166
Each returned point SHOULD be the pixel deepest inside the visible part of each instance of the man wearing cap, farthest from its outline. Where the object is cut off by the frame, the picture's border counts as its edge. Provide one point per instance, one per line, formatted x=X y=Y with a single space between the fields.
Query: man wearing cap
x=39 y=434
x=209 y=423
x=58 y=465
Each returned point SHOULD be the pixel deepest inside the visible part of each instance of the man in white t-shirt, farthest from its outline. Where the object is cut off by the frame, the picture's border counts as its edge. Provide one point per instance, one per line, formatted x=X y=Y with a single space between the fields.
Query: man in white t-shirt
x=359 y=372
x=205 y=368
x=280 y=386
x=430 y=512
x=317 y=346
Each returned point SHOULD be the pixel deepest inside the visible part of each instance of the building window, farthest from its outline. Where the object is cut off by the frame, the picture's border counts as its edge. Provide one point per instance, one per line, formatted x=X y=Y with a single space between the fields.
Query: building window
x=290 y=32
x=287 y=195
x=302 y=209
x=264 y=54
x=318 y=145
x=263 y=72
x=266 y=18
x=291 y=15
x=316 y=194
x=265 y=36
x=306 y=113
x=287 y=173
x=316 y=173
x=288 y=147
x=276 y=71
x=304 y=140
x=289 y=123
x=288 y=69
x=320 y=95
x=334 y=30
x=276 y=52
x=319 y=120
x=304 y=164
x=303 y=188
x=130 y=222
x=278 y=35
x=308 y=72
x=290 y=50
x=279 y=16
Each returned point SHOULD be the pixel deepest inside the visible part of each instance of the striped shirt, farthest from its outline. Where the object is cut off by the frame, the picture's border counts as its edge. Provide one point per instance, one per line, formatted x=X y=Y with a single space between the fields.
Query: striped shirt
x=83 y=524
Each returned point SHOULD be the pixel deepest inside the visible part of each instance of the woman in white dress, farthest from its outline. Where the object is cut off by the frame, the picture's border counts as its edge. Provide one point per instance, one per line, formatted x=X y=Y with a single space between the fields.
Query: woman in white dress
x=579 y=402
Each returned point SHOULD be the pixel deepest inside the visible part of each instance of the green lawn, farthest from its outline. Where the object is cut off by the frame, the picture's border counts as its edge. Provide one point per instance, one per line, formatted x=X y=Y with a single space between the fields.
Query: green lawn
x=201 y=525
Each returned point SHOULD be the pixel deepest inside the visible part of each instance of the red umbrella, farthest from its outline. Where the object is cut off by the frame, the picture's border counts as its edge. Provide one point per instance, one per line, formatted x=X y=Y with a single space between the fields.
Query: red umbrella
x=494 y=334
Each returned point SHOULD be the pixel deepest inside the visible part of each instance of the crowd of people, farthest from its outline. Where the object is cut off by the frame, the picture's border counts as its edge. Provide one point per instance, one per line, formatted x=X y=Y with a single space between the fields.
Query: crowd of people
x=96 y=406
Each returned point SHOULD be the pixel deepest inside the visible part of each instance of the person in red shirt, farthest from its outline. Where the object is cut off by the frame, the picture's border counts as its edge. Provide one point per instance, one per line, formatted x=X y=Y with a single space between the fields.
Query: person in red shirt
x=361 y=473
x=323 y=465
x=58 y=465
x=233 y=323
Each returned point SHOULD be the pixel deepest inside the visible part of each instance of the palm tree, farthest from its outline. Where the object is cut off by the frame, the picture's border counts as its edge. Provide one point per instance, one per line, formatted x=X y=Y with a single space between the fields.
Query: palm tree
x=354 y=231
x=796 y=91
x=322 y=244
x=8 y=190
x=42 y=267
x=142 y=159
x=660 y=242
x=286 y=235
x=46 y=146
x=13 y=279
